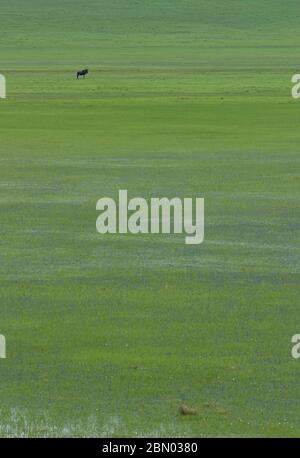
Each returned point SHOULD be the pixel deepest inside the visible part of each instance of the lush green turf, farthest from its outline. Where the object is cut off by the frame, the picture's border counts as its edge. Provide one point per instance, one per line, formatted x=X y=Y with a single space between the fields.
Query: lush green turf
x=107 y=335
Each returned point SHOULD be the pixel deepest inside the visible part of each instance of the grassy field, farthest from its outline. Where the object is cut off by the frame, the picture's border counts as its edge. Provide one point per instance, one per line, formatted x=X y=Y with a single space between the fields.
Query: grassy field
x=108 y=335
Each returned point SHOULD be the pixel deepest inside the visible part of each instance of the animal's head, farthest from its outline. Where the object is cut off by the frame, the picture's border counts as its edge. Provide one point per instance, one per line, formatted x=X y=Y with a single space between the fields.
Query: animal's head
x=86 y=70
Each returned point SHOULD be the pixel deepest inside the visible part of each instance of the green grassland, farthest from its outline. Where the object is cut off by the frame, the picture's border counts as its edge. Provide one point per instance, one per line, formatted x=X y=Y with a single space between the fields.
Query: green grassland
x=108 y=335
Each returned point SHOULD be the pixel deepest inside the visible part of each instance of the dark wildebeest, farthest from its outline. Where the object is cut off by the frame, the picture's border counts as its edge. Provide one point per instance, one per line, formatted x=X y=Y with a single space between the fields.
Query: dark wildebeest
x=82 y=73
